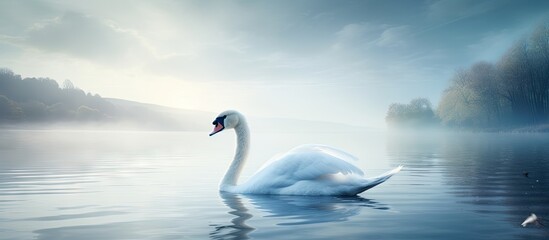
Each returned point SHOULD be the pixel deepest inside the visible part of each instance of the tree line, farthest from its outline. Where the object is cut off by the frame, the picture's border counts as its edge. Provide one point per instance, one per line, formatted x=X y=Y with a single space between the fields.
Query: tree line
x=42 y=99
x=418 y=113
x=512 y=92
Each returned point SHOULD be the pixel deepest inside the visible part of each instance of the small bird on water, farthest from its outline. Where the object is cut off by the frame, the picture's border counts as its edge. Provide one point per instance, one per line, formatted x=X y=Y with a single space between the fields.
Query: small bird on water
x=532 y=219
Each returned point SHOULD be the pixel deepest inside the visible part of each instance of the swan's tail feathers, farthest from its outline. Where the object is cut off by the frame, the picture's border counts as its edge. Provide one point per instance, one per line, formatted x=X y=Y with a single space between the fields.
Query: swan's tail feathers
x=374 y=181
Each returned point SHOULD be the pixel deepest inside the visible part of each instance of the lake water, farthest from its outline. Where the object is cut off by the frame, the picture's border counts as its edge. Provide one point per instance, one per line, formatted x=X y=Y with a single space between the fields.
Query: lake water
x=164 y=185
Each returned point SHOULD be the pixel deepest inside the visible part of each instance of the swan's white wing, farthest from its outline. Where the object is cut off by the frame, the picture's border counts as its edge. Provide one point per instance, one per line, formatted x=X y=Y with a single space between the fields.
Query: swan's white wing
x=308 y=148
x=309 y=162
x=335 y=152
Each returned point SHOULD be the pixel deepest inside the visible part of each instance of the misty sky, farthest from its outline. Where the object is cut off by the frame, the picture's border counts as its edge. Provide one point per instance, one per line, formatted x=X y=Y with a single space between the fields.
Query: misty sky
x=342 y=61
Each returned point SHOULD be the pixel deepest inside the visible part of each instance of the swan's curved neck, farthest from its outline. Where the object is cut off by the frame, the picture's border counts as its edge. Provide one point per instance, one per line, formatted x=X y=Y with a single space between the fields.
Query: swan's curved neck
x=242 y=147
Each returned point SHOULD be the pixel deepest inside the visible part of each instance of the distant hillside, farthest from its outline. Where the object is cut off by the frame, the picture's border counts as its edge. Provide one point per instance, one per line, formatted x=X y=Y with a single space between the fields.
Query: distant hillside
x=41 y=102
x=151 y=116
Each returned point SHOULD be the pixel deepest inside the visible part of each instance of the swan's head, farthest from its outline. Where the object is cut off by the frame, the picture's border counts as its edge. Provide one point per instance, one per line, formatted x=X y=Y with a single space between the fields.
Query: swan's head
x=226 y=120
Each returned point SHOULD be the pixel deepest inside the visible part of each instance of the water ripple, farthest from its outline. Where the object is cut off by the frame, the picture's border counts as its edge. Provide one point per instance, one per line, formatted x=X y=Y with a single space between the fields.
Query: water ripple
x=76 y=216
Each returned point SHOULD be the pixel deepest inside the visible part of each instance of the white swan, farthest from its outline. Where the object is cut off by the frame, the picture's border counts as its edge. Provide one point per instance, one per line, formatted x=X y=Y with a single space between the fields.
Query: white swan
x=304 y=170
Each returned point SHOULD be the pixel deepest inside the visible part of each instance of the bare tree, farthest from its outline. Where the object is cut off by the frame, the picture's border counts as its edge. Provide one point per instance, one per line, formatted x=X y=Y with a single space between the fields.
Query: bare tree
x=67 y=84
x=515 y=91
x=524 y=72
x=417 y=113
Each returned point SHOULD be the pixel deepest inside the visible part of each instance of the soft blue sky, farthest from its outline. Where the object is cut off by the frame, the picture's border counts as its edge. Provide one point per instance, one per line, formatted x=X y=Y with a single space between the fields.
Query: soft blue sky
x=342 y=61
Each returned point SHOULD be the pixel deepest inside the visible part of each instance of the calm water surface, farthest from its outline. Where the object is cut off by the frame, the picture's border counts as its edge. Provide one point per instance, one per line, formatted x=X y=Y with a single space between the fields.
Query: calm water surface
x=163 y=185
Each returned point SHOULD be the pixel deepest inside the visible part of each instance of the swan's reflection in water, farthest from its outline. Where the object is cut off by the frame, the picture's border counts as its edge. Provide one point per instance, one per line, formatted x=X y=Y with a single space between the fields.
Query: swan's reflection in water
x=238 y=228
x=288 y=210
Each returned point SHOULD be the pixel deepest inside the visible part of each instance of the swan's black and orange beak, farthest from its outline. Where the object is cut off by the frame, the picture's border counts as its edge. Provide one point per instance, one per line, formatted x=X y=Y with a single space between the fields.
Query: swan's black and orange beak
x=218 y=125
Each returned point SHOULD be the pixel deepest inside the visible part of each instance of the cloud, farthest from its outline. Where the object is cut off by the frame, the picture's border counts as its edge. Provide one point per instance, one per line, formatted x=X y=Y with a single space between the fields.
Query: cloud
x=356 y=30
x=354 y=34
x=394 y=36
x=368 y=34
x=84 y=37
x=17 y=15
